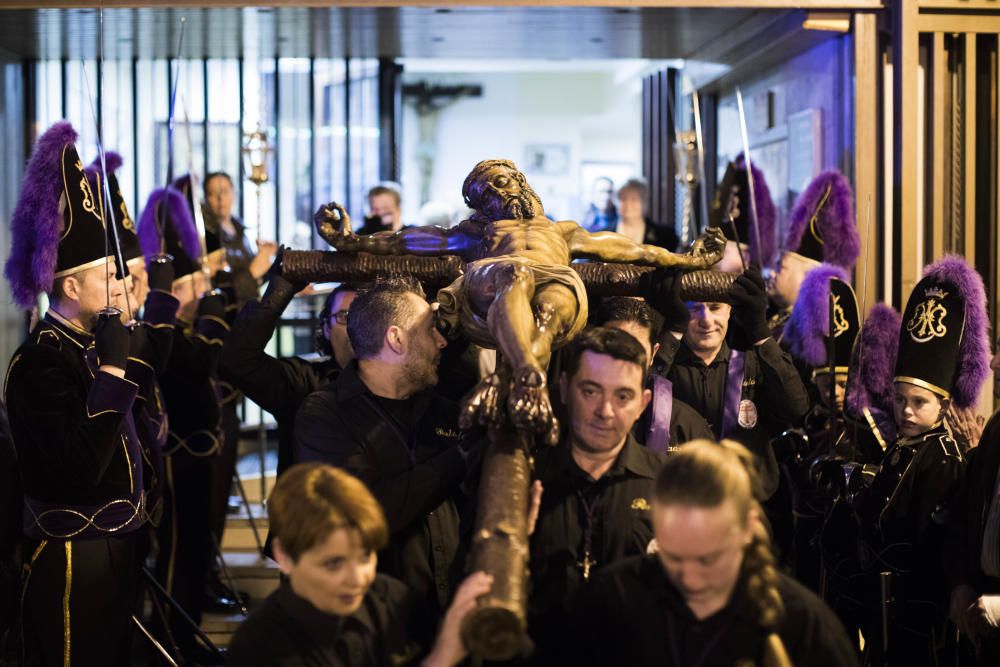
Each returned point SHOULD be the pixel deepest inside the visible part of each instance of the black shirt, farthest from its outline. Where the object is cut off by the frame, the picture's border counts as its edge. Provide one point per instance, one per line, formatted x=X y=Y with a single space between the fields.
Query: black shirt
x=632 y=615
x=615 y=508
x=770 y=382
x=277 y=385
x=414 y=469
x=288 y=631
x=686 y=424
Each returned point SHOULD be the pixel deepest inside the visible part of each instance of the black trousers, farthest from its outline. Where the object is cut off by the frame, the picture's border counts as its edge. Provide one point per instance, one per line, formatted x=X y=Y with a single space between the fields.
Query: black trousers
x=224 y=467
x=186 y=550
x=78 y=600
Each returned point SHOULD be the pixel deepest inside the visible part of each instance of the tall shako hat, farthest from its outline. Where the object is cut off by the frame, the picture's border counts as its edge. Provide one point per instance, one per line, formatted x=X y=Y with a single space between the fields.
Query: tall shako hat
x=821 y=225
x=944 y=341
x=733 y=196
x=809 y=332
x=123 y=221
x=56 y=228
x=168 y=214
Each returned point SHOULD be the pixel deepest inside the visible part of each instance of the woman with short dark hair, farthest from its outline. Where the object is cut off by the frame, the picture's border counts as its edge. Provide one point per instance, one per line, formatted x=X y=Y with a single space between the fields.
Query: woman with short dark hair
x=334 y=609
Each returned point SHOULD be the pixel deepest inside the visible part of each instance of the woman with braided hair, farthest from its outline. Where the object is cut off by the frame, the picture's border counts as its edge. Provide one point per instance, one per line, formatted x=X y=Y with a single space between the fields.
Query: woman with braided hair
x=710 y=593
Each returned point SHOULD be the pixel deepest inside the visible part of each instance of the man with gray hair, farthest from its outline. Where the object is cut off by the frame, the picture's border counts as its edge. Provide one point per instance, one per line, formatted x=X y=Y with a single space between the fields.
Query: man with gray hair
x=382 y=421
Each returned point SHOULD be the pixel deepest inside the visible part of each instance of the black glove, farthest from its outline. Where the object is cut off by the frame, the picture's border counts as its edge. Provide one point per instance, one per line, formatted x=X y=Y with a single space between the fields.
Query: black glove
x=111 y=339
x=662 y=288
x=213 y=304
x=161 y=273
x=748 y=295
x=280 y=290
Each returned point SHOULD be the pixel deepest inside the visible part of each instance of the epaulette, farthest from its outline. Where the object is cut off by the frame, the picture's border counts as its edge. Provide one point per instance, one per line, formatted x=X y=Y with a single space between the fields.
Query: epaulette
x=48 y=336
x=948 y=445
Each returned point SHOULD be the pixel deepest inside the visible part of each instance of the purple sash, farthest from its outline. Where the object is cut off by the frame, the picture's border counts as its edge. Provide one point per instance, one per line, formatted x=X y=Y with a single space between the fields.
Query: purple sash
x=734 y=393
x=43 y=521
x=658 y=438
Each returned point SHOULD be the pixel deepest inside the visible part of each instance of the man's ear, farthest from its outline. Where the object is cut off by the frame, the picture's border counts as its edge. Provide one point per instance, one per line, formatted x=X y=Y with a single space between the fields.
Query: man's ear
x=72 y=287
x=285 y=561
x=653 y=353
x=395 y=338
x=647 y=395
x=563 y=387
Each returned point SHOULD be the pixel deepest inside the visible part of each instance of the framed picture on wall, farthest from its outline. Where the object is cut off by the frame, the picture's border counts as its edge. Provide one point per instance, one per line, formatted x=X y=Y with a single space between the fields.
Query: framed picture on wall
x=546 y=159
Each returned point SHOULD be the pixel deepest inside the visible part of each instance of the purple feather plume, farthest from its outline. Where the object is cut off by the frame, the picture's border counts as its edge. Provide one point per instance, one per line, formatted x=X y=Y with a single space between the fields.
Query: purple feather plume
x=810 y=318
x=870 y=384
x=974 y=350
x=37 y=222
x=767 y=216
x=176 y=213
x=841 y=243
x=112 y=159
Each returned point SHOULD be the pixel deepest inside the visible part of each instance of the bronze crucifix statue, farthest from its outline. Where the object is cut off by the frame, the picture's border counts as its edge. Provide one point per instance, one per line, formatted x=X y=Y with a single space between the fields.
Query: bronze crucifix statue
x=519 y=294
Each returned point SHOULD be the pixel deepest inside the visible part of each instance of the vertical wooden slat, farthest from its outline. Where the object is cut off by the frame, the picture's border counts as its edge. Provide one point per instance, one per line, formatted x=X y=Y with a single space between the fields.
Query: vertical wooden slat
x=905 y=62
x=866 y=96
x=940 y=100
x=889 y=229
x=969 y=147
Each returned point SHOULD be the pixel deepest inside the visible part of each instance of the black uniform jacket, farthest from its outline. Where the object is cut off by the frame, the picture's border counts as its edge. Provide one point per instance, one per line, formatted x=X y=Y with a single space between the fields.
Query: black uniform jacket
x=770 y=382
x=150 y=345
x=969 y=512
x=685 y=425
x=73 y=432
x=632 y=615
x=905 y=509
x=277 y=385
x=288 y=631
x=618 y=507
x=189 y=388
x=414 y=469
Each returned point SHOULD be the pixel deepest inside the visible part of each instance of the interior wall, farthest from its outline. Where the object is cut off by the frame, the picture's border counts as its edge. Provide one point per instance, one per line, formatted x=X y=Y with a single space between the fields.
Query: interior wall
x=578 y=119
x=800 y=121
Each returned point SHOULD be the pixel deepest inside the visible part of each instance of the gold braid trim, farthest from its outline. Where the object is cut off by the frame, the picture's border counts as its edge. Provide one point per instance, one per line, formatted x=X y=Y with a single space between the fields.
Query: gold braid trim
x=67 y=634
x=88 y=520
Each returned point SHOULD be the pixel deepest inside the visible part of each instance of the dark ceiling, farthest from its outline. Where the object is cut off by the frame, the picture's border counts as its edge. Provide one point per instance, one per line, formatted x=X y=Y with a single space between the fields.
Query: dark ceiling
x=469 y=32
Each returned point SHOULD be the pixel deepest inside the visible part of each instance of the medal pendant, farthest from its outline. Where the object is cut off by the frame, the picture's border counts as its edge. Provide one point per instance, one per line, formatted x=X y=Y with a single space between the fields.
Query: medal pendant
x=747 y=417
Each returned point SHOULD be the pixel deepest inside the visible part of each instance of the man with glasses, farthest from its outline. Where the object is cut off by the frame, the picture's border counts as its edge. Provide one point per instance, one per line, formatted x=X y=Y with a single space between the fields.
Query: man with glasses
x=280 y=385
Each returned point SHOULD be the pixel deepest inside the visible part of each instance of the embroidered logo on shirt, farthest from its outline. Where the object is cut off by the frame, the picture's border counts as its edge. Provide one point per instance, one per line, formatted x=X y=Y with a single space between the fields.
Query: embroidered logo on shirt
x=447 y=433
x=640 y=504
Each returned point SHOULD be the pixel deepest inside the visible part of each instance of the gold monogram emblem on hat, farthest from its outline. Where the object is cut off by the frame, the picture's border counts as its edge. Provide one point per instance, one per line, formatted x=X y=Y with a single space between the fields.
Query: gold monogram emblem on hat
x=840 y=324
x=928 y=318
x=88 y=196
x=126 y=220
